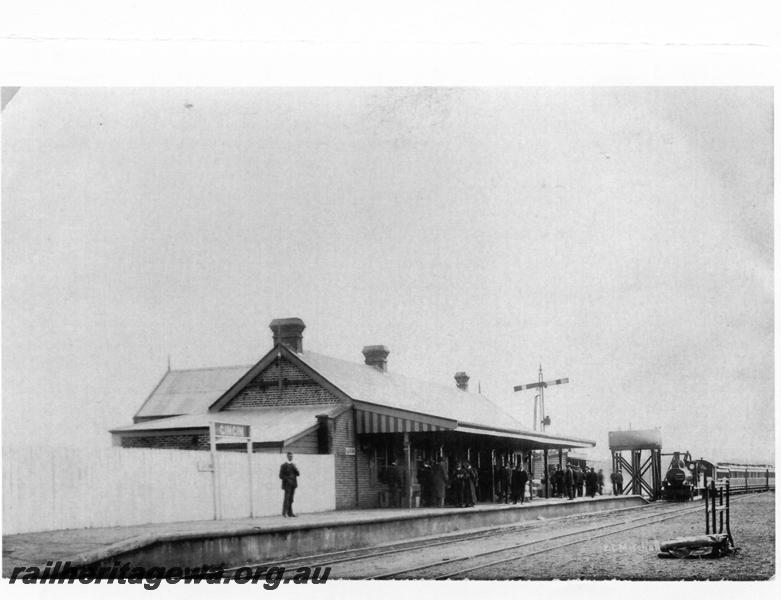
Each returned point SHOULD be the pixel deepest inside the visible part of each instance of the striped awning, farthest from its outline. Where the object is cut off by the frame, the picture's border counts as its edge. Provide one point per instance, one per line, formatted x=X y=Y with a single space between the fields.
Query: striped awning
x=381 y=419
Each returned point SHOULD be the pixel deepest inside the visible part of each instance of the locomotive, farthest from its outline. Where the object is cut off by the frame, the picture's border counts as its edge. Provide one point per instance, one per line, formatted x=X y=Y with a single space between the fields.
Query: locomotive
x=680 y=482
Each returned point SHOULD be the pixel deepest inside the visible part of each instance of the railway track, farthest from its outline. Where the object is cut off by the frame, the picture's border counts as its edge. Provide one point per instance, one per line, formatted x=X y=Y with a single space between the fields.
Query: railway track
x=522 y=550
x=355 y=556
x=526 y=549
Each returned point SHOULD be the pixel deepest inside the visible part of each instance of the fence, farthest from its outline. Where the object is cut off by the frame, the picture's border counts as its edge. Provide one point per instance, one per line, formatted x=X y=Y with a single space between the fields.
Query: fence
x=48 y=488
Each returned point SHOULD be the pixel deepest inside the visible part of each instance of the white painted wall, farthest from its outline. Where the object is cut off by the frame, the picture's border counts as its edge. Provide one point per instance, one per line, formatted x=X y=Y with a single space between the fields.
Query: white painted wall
x=46 y=488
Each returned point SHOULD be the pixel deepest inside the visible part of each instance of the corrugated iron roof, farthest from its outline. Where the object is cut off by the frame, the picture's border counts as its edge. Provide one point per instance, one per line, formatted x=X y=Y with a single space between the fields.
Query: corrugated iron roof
x=540 y=440
x=362 y=382
x=270 y=425
x=190 y=391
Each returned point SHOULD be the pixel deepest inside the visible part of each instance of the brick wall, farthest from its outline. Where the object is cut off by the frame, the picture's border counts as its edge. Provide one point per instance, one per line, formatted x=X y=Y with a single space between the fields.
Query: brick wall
x=343 y=436
x=177 y=442
x=297 y=389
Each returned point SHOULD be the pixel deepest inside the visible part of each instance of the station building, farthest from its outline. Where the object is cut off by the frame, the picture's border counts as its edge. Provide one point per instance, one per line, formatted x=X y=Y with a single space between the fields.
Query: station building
x=299 y=401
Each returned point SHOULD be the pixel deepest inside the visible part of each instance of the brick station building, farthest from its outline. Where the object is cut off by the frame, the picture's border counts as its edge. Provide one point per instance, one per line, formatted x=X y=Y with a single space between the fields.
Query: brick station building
x=366 y=416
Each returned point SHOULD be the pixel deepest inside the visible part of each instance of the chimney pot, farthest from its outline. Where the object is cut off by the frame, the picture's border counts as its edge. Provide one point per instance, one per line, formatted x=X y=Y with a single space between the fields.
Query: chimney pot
x=377 y=357
x=289 y=331
x=462 y=380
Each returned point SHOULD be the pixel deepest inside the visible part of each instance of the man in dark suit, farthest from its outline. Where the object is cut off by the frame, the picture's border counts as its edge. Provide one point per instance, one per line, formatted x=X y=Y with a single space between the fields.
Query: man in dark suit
x=569 y=482
x=518 y=483
x=395 y=481
x=591 y=482
x=288 y=473
x=439 y=482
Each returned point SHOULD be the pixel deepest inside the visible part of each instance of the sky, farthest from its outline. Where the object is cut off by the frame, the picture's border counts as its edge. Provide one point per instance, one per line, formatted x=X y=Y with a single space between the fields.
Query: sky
x=621 y=237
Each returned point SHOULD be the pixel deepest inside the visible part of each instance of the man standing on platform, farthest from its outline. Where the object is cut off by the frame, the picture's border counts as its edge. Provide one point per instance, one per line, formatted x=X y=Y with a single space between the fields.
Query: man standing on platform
x=288 y=473
x=438 y=482
x=579 y=480
x=395 y=481
x=518 y=483
x=600 y=481
x=424 y=479
x=591 y=482
x=560 y=482
x=569 y=482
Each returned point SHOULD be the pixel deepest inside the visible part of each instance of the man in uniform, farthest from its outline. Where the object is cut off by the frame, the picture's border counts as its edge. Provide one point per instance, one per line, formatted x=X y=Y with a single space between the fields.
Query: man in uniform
x=288 y=473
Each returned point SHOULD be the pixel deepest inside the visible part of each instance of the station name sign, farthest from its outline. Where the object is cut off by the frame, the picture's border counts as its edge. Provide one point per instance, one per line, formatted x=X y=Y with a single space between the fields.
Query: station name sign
x=231 y=430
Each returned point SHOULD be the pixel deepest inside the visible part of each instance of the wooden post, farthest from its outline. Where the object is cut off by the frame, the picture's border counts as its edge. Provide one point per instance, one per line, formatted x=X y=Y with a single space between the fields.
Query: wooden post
x=215 y=478
x=249 y=473
x=726 y=509
x=493 y=476
x=545 y=470
x=408 y=459
x=713 y=506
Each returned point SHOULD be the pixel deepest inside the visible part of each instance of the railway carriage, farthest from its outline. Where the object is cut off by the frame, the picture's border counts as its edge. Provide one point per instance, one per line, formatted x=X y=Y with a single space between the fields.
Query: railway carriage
x=746 y=478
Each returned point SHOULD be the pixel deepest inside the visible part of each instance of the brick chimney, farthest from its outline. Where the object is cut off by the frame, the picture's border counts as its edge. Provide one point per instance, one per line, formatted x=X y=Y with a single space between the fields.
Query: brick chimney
x=462 y=380
x=377 y=357
x=289 y=332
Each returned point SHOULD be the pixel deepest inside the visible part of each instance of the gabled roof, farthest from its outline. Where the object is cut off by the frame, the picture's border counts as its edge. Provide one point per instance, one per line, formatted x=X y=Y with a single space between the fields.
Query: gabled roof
x=368 y=384
x=204 y=392
x=188 y=392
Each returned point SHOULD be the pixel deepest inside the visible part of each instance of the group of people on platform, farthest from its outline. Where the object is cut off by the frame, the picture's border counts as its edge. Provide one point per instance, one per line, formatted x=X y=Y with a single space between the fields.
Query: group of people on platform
x=510 y=483
x=576 y=482
x=462 y=483
x=460 y=486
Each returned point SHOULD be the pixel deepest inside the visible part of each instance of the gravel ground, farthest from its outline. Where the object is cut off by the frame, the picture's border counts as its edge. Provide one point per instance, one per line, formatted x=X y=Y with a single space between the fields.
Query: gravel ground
x=627 y=555
x=633 y=554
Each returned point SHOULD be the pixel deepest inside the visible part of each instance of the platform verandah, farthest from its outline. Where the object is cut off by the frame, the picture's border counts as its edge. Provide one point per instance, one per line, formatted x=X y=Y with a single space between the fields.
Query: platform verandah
x=487 y=454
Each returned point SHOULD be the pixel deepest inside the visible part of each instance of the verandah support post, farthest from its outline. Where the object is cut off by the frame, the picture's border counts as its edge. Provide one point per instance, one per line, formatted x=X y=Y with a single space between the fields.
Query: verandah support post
x=493 y=476
x=545 y=470
x=408 y=460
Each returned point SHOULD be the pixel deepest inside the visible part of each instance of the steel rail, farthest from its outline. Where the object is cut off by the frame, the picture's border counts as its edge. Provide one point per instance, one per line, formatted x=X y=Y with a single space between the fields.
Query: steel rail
x=648 y=520
x=516 y=546
x=355 y=554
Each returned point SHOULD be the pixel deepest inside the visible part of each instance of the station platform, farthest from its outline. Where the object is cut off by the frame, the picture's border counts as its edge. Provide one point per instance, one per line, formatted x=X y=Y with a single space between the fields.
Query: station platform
x=236 y=542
